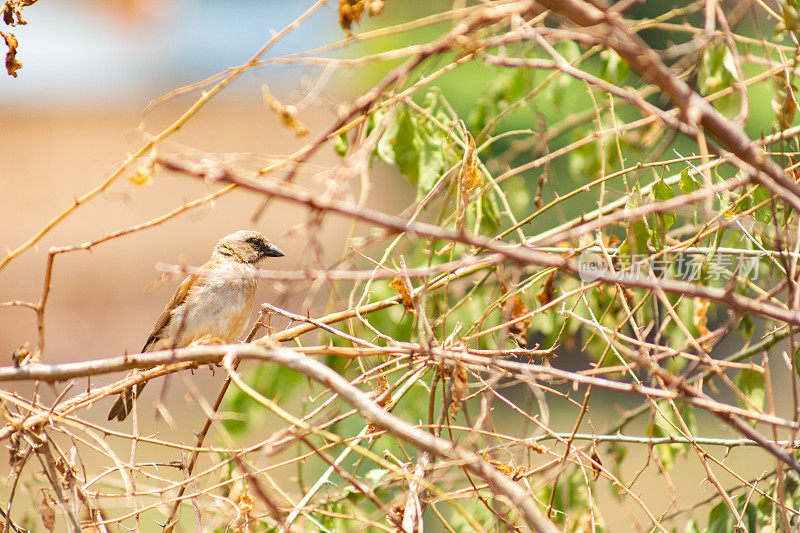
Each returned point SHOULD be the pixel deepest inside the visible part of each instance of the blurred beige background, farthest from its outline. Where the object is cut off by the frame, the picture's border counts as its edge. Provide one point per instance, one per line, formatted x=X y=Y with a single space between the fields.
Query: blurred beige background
x=57 y=145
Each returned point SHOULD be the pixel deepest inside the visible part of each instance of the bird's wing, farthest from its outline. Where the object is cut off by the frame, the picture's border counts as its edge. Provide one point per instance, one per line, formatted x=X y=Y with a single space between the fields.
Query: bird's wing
x=177 y=299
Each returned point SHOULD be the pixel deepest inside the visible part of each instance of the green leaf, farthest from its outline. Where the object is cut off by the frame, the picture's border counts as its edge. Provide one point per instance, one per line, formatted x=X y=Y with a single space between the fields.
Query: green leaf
x=762 y=214
x=720 y=519
x=490 y=221
x=663 y=427
x=750 y=514
x=569 y=49
x=797 y=361
x=664 y=220
x=691 y=526
x=614 y=69
x=662 y=191
x=751 y=383
x=744 y=201
x=746 y=326
x=638 y=230
x=688 y=182
x=406 y=147
x=385 y=147
x=374 y=476
x=431 y=163
x=503 y=88
x=340 y=144
x=415 y=148
x=716 y=72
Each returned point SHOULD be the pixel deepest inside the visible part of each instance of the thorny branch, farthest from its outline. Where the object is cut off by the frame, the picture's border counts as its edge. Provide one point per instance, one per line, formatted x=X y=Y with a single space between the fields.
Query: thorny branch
x=434 y=303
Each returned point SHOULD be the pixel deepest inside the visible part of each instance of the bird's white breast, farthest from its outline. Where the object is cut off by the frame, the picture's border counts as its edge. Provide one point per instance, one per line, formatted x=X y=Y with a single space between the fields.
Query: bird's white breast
x=218 y=305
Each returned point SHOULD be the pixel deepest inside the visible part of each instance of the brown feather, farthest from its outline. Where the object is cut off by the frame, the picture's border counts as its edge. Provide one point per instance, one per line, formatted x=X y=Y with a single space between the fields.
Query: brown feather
x=124 y=403
x=177 y=299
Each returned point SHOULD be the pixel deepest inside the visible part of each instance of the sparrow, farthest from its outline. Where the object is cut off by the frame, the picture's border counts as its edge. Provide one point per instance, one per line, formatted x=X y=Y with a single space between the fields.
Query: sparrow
x=215 y=301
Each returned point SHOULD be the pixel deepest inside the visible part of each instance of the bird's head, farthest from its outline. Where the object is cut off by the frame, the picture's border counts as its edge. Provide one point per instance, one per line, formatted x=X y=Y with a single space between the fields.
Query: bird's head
x=246 y=246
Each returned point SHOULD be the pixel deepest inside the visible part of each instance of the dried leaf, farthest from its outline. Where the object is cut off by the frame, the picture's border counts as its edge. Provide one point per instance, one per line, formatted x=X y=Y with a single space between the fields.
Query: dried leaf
x=784 y=104
x=12 y=65
x=245 y=506
x=380 y=387
x=8 y=14
x=596 y=464
x=11 y=419
x=399 y=284
x=548 y=289
x=510 y=469
x=700 y=318
x=12 y=11
x=287 y=114
x=471 y=176
x=47 y=514
x=793 y=170
x=350 y=11
x=20 y=354
x=395 y=515
x=513 y=309
x=459 y=388
x=628 y=294
x=15 y=455
x=246 y=501
x=506 y=468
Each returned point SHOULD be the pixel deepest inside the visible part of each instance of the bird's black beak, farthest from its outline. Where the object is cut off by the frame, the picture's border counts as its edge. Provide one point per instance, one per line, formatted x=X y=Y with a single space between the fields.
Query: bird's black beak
x=270 y=250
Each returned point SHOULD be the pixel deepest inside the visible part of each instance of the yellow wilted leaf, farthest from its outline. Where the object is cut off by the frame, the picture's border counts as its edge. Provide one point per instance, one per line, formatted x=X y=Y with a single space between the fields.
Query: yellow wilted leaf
x=510 y=469
x=472 y=177
x=380 y=387
x=12 y=65
x=548 y=289
x=793 y=171
x=350 y=11
x=459 y=388
x=784 y=104
x=20 y=354
x=700 y=318
x=47 y=514
x=506 y=468
x=515 y=308
x=395 y=515
x=245 y=505
x=596 y=464
x=287 y=114
x=399 y=285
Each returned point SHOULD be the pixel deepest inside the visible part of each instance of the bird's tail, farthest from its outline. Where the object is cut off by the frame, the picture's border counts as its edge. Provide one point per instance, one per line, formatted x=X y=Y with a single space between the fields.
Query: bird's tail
x=124 y=404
